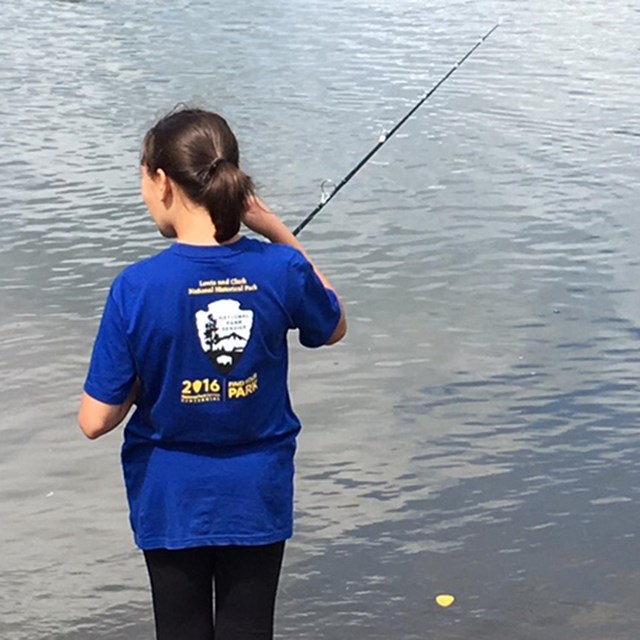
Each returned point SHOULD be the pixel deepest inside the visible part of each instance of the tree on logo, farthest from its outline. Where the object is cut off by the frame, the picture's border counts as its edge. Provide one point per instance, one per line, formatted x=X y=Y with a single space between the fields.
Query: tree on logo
x=210 y=331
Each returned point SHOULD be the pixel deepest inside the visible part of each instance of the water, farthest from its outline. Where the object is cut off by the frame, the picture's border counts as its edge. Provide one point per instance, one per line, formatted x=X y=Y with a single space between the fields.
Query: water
x=476 y=432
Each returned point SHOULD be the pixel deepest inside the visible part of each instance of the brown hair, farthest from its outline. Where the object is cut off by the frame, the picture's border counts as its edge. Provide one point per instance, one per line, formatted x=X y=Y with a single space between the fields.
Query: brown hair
x=199 y=152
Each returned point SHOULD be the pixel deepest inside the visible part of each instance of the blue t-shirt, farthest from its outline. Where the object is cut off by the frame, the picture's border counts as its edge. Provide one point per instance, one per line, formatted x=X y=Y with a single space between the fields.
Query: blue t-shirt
x=208 y=453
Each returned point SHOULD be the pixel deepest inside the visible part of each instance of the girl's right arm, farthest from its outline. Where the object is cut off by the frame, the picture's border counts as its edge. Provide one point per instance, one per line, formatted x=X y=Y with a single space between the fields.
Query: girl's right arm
x=259 y=218
x=97 y=418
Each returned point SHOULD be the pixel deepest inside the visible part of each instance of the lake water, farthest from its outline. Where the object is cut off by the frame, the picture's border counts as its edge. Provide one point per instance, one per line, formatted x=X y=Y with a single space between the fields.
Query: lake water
x=477 y=432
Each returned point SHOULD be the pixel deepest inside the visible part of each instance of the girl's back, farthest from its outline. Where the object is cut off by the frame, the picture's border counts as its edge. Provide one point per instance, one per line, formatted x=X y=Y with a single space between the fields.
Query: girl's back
x=205 y=328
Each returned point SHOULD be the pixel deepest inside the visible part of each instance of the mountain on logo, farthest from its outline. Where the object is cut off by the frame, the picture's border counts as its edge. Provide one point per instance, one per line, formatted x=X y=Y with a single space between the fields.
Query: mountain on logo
x=233 y=339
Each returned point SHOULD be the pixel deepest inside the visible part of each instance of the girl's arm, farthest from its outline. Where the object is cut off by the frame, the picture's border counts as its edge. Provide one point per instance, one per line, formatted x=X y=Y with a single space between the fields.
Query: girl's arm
x=259 y=218
x=97 y=418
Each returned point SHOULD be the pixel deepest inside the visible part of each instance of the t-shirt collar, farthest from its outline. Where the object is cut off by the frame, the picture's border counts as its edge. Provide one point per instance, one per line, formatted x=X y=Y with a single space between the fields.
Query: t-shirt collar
x=213 y=250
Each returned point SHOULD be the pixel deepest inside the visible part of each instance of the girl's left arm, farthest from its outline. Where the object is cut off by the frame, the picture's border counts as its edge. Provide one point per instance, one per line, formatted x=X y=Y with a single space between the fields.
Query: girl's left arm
x=97 y=418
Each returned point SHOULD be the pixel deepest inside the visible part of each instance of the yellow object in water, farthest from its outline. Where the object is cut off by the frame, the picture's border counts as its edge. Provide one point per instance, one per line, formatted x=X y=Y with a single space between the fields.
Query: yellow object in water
x=445 y=600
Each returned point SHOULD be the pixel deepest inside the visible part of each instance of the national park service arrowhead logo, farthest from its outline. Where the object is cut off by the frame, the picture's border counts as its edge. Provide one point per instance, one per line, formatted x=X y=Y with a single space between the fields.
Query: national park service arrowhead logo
x=224 y=330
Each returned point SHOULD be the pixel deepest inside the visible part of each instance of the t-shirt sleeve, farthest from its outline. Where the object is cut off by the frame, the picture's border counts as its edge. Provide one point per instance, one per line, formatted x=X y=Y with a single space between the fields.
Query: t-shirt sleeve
x=112 y=369
x=317 y=312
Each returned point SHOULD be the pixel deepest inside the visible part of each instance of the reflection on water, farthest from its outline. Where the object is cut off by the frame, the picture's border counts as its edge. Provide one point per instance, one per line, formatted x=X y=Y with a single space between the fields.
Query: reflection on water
x=475 y=433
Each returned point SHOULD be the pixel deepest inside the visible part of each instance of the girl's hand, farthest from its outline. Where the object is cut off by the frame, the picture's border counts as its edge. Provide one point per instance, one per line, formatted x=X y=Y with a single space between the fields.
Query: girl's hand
x=259 y=218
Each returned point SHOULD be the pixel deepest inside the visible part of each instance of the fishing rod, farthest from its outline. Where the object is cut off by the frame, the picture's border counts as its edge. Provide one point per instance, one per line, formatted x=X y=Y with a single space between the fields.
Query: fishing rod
x=328 y=196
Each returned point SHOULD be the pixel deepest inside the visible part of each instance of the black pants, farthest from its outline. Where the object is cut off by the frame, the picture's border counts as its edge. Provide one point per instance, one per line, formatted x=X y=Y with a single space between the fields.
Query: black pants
x=245 y=579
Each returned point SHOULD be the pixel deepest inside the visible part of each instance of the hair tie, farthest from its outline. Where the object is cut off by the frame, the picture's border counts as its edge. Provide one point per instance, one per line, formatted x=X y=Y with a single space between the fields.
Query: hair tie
x=213 y=166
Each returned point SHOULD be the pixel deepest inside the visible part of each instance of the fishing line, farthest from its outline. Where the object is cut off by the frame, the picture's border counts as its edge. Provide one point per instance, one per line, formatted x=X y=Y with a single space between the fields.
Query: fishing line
x=327 y=196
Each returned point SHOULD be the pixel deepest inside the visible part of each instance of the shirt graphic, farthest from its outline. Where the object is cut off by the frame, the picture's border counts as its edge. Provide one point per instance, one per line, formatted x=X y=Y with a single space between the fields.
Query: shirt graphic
x=224 y=330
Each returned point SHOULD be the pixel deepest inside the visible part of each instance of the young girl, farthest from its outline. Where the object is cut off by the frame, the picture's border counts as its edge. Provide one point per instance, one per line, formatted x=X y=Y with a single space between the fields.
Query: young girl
x=196 y=338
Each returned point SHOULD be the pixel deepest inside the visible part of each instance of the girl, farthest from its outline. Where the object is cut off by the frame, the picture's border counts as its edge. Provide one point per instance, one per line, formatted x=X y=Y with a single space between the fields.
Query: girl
x=196 y=338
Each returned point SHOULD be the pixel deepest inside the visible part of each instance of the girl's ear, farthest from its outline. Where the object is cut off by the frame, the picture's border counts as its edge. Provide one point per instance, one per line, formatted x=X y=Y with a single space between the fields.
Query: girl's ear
x=163 y=185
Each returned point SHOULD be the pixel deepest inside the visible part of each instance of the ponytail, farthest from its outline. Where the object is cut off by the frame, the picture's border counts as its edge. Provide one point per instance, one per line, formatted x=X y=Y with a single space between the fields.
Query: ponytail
x=224 y=193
